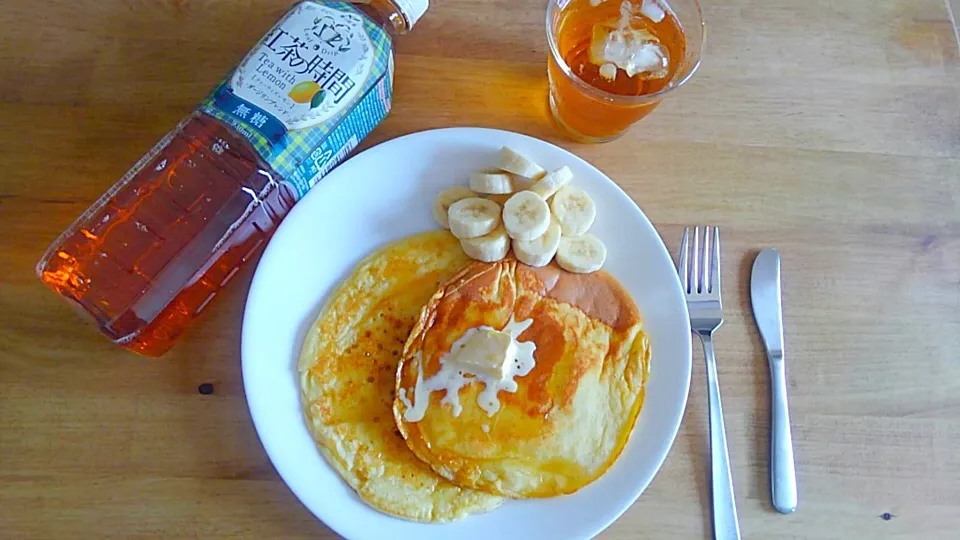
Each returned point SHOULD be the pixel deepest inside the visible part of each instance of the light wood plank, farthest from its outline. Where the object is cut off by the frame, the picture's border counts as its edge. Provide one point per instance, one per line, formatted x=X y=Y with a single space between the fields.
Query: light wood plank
x=827 y=129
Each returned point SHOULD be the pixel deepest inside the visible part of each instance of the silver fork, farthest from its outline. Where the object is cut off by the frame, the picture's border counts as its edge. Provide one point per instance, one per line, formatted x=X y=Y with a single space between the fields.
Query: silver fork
x=699 y=268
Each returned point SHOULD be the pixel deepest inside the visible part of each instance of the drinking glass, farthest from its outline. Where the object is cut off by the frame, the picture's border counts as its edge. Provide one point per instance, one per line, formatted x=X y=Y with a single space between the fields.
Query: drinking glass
x=590 y=114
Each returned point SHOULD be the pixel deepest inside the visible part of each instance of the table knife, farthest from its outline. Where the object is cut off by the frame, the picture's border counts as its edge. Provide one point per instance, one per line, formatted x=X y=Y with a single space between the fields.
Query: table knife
x=765 y=297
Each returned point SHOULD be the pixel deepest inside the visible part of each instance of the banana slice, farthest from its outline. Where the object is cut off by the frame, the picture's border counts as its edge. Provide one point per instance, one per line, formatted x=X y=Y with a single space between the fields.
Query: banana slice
x=549 y=184
x=581 y=254
x=514 y=162
x=489 y=247
x=496 y=183
x=441 y=205
x=499 y=199
x=526 y=216
x=473 y=217
x=539 y=251
x=520 y=183
x=574 y=209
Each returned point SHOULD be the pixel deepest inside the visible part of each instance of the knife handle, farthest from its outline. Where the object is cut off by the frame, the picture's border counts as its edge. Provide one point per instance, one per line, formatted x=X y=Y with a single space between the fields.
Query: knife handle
x=783 y=476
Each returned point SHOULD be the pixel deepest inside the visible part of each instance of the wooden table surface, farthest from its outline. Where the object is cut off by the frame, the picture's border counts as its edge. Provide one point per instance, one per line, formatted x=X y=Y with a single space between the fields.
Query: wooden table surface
x=828 y=129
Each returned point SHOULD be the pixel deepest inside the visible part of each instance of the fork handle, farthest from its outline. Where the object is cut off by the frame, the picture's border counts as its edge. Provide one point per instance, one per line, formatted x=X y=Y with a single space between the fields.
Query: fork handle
x=783 y=476
x=725 y=523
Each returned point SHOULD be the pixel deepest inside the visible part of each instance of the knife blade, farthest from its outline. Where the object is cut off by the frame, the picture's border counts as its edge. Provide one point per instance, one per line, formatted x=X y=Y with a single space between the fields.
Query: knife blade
x=767 y=311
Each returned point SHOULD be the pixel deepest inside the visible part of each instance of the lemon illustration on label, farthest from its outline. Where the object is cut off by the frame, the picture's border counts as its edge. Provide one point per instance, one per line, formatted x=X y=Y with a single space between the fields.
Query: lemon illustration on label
x=304 y=92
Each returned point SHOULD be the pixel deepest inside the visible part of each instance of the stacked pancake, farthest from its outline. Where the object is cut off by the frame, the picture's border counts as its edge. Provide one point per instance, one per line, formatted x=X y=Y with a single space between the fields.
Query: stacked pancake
x=437 y=386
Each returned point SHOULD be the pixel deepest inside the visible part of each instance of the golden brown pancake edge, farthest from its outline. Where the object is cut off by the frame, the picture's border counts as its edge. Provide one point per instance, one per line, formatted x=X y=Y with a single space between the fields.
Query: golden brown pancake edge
x=602 y=303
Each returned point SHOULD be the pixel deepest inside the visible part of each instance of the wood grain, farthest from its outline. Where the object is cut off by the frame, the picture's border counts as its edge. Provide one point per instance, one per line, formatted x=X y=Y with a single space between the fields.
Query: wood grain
x=830 y=130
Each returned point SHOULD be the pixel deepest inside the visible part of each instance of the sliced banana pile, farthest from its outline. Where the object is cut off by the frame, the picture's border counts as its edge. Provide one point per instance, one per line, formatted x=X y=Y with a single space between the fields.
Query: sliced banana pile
x=521 y=205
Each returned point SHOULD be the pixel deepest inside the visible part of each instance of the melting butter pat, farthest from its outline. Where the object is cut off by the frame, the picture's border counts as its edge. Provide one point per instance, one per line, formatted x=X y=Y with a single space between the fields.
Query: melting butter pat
x=488 y=352
x=481 y=352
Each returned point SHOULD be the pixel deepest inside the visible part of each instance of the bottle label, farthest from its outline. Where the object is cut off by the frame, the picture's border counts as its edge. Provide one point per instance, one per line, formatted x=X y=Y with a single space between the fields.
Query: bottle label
x=317 y=83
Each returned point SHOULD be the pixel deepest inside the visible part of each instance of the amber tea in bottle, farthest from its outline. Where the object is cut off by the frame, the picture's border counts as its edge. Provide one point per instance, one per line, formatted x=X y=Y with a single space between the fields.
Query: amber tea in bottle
x=148 y=257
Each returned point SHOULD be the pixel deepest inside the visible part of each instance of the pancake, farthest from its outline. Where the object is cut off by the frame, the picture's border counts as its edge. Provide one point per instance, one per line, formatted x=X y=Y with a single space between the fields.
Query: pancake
x=347 y=375
x=572 y=409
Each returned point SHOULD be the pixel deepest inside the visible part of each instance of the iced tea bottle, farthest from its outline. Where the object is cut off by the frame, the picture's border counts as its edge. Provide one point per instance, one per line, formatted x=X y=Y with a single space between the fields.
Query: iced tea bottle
x=146 y=259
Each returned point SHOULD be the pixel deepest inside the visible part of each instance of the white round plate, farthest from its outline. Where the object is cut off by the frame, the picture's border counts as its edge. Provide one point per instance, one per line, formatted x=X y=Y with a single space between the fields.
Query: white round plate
x=382 y=195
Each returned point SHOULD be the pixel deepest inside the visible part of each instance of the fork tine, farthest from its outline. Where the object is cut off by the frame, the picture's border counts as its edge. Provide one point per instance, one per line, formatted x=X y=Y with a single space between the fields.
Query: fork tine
x=705 y=252
x=715 y=263
x=683 y=265
x=695 y=262
x=703 y=259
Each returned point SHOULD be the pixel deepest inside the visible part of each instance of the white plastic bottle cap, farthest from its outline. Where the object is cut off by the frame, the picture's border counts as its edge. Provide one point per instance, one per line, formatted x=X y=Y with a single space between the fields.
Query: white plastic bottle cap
x=413 y=10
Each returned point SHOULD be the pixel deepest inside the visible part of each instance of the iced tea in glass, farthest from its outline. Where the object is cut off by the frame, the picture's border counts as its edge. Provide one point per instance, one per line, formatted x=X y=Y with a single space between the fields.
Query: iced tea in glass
x=612 y=61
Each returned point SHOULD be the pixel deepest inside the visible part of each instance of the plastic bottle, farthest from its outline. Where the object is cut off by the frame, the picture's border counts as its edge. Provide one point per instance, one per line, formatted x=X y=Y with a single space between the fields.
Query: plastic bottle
x=146 y=259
